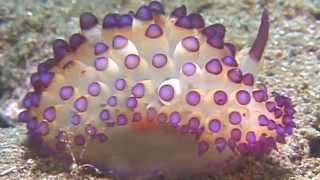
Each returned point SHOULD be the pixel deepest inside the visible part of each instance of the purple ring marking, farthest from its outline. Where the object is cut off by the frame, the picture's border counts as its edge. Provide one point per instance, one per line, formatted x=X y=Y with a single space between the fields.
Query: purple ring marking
x=104 y=115
x=188 y=69
x=190 y=43
x=122 y=120
x=214 y=125
x=94 y=89
x=132 y=102
x=236 y=134
x=101 y=63
x=81 y=104
x=66 y=92
x=138 y=90
x=49 y=114
x=75 y=119
x=112 y=101
x=120 y=84
x=153 y=31
x=166 y=92
x=193 y=98
x=213 y=66
x=132 y=61
x=220 y=144
x=220 y=97
x=243 y=97
x=235 y=117
x=159 y=60
x=119 y=42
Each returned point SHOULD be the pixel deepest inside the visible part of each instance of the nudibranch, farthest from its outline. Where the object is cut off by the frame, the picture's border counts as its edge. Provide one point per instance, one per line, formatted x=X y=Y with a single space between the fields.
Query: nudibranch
x=144 y=93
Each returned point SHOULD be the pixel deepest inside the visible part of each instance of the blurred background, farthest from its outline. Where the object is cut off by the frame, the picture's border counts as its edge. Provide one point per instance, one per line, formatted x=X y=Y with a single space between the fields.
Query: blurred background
x=291 y=67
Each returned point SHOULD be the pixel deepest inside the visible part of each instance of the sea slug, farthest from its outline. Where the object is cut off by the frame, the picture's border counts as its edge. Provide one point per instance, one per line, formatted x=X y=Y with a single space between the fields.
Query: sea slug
x=143 y=93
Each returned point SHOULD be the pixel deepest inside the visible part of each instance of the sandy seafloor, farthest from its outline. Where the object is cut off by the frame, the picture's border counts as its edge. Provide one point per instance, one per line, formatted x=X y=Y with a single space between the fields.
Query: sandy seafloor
x=291 y=66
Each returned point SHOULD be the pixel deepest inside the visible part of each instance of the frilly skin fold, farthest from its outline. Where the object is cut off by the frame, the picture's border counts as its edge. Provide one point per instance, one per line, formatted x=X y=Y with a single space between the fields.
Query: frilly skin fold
x=143 y=93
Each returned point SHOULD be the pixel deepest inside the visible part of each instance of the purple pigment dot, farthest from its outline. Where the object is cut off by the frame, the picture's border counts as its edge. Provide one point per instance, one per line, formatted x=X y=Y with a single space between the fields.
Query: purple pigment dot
x=35 y=99
x=24 y=116
x=220 y=97
x=60 y=49
x=235 y=117
x=175 y=118
x=66 y=92
x=94 y=89
x=280 y=130
x=194 y=123
x=162 y=118
x=271 y=106
x=277 y=113
x=100 y=48
x=79 y=140
x=81 y=104
x=111 y=21
x=248 y=79
x=203 y=146
x=214 y=30
x=159 y=60
x=144 y=13
x=263 y=120
x=272 y=125
x=236 y=134
x=132 y=61
x=102 y=137
x=87 y=21
x=220 y=144
x=188 y=69
x=119 y=42
x=138 y=90
x=235 y=75
x=214 y=66
x=101 y=63
x=230 y=61
x=91 y=130
x=125 y=20
x=136 y=117
x=75 y=119
x=122 y=120
x=184 y=22
x=179 y=11
x=120 y=84
x=251 y=137
x=231 y=48
x=132 y=102
x=153 y=31
x=49 y=114
x=43 y=128
x=166 y=92
x=112 y=101
x=243 y=97
x=76 y=40
x=27 y=103
x=104 y=115
x=46 y=78
x=151 y=114
x=156 y=7
x=260 y=95
x=190 y=43
x=193 y=98
x=215 y=42
x=287 y=120
x=214 y=125
x=196 y=20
